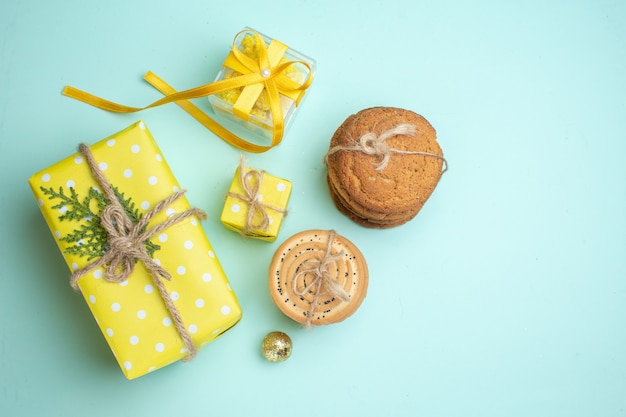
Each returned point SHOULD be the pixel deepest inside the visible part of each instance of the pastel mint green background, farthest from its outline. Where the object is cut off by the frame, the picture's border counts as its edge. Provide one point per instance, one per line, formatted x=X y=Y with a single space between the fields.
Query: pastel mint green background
x=506 y=296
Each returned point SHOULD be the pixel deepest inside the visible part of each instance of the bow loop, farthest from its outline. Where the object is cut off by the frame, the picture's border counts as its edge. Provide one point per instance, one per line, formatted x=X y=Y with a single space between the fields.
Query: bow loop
x=289 y=87
x=376 y=145
x=373 y=145
x=115 y=221
x=263 y=61
x=123 y=244
x=120 y=268
x=251 y=184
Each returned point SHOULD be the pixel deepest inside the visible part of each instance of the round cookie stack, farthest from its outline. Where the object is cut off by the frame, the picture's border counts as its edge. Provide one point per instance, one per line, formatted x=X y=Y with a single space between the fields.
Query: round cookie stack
x=318 y=277
x=383 y=164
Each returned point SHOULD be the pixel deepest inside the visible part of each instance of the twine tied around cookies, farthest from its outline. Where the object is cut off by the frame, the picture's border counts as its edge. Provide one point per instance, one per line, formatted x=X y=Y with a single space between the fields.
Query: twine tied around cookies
x=321 y=279
x=251 y=183
x=126 y=245
x=376 y=145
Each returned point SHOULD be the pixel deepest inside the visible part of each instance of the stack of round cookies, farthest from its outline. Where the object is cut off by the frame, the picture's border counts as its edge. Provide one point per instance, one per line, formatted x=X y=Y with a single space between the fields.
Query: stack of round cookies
x=318 y=277
x=383 y=164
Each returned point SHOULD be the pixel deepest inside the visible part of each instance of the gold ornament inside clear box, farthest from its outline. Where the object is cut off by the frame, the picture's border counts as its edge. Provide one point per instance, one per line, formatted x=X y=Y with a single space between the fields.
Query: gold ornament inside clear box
x=259 y=123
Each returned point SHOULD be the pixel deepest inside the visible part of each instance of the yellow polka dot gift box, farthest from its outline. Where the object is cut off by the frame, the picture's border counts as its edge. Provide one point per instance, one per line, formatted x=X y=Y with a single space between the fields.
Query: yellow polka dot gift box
x=256 y=203
x=137 y=251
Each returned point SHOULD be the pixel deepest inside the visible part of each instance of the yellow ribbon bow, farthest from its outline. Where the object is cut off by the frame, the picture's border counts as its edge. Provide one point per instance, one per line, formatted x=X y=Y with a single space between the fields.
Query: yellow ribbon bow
x=265 y=73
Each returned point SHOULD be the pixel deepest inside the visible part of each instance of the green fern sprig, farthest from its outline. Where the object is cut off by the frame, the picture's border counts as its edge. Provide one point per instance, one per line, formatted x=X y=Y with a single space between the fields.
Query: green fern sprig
x=91 y=239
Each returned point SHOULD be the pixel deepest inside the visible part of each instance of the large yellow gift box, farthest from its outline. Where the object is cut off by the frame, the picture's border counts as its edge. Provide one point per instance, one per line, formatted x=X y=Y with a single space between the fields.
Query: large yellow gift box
x=148 y=321
x=256 y=203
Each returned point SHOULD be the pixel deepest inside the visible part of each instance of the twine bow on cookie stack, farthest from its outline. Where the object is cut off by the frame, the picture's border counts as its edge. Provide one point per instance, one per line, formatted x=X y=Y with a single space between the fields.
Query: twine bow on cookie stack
x=126 y=245
x=265 y=73
x=251 y=181
x=376 y=145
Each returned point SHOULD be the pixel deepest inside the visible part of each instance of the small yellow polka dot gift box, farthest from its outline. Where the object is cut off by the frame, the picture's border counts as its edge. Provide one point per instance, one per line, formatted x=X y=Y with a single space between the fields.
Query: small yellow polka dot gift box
x=256 y=203
x=137 y=251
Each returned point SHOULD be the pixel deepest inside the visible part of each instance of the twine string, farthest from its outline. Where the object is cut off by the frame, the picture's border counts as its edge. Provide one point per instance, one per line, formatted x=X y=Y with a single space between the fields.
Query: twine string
x=126 y=245
x=251 y=183
x=371 y=144
x=323 y=282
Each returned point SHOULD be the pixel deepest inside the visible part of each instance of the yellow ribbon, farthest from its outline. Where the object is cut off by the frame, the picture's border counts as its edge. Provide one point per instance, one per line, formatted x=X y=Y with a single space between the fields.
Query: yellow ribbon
x=266 y=73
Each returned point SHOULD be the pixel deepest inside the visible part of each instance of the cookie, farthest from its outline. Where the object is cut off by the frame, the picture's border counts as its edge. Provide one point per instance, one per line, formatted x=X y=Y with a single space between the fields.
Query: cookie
x=360 y=219
x=383 y=164
x=373 y=216
x=317 y=277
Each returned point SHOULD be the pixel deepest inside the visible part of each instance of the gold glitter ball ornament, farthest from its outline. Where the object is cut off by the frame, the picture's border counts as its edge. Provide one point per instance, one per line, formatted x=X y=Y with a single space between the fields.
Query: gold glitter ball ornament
x=276 y=347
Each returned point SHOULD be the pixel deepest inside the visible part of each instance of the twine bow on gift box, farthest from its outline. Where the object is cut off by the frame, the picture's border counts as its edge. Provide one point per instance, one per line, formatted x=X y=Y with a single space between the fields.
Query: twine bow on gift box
x=265 y=73
x=251 y=183
x=126 y=245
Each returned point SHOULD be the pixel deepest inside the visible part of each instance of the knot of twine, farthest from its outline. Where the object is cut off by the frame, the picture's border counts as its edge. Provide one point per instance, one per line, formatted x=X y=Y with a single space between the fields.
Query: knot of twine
x=323 y=282
x=371 y=144
x=126 y=245
x=251 y=183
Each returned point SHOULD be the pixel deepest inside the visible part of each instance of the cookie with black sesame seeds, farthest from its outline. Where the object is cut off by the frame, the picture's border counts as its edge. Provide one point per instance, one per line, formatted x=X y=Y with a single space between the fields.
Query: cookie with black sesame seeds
x=318 y=277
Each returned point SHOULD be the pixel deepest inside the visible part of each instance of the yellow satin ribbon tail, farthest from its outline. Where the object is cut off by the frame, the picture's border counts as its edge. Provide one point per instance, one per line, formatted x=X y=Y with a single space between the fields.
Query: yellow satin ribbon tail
x=204 y=119
x=182 y=99
x=255 y=76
